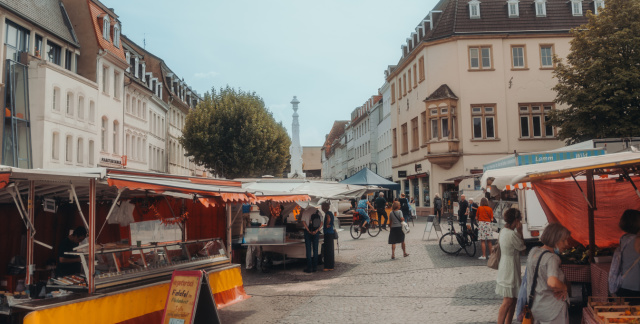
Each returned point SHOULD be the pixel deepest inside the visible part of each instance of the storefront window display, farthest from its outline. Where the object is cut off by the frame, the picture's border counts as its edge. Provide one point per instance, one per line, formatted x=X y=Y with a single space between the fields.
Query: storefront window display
x=425 y=192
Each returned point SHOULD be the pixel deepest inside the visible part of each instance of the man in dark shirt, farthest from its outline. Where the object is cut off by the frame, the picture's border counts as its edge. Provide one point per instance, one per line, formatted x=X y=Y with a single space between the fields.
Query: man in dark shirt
x=381 y=204
x=70 y=264
x=463 y=212
x=473 y=207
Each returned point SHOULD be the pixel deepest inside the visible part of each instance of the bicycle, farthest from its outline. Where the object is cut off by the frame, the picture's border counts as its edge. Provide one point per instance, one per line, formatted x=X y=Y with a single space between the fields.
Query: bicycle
x=453 y=242
x=358 y=227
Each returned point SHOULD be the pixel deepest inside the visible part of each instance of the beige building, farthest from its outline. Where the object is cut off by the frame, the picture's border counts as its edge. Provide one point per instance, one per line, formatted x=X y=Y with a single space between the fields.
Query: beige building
x=474 y=84
x=312 y=161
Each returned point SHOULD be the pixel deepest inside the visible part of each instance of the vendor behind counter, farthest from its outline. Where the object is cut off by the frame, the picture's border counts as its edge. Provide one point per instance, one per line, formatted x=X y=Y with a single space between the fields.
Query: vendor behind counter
x=70 y=264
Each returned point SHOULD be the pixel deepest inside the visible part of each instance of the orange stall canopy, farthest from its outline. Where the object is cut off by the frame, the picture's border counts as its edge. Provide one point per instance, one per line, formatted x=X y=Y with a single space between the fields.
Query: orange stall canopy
x=4 y=179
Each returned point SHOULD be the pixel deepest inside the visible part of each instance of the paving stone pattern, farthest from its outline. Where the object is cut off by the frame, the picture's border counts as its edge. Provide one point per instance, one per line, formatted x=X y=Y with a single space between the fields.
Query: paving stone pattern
x=368 y=287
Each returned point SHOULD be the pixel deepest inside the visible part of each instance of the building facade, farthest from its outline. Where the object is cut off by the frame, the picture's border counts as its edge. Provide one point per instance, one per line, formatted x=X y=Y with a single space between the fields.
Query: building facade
x=474 y=83
x=383 y=110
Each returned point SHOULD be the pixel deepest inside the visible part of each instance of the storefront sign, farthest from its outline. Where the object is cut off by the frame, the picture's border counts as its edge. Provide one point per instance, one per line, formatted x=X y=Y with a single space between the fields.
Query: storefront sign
x=108 y=162
x=402 y=174
x=190 y=300
x=418 y=167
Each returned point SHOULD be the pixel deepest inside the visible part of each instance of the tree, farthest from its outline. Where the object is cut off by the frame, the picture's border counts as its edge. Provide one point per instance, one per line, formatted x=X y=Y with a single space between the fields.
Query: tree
x=600 y=82
x=232 y=133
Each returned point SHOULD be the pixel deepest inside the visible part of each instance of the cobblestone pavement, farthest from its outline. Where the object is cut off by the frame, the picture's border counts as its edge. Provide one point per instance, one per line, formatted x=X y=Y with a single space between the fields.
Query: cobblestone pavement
x=368 y=287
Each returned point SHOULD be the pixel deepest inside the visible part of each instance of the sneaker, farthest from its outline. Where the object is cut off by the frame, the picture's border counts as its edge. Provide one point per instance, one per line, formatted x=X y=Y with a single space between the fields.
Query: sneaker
x=482 y=258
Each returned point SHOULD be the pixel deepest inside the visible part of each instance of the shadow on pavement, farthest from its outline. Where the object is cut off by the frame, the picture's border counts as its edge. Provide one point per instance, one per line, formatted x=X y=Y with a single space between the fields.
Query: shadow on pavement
x=477 y=294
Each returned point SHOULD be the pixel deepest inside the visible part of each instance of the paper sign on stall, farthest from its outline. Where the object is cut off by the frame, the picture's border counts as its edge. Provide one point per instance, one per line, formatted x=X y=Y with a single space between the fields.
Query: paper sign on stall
x=190 y=300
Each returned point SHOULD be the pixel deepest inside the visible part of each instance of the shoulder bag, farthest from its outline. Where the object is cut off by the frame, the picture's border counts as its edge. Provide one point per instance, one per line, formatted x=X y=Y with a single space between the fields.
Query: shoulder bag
x=615 y=272
x=405 y=226
x=494 y=258
x=528 y=317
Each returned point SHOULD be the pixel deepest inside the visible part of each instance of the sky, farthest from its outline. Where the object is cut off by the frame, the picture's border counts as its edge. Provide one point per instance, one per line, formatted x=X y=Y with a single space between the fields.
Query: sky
x=331 y=54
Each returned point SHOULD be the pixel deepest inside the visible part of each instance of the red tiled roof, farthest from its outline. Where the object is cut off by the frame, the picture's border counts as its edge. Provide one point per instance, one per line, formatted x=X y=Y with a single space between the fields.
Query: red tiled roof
x=443 y=92
x=106 y=45
x=336 y=131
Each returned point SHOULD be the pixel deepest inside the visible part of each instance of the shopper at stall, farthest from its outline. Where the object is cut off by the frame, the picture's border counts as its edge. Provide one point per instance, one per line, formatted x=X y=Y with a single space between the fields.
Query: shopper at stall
x=485 y=232
x=363 y=206
x=329 y=235
x=550 y=296
x=437 y=206
x=380 y=205
x=509 y=276
x=630 y=254
x=70 y=264
x=396 y=235
x=312 y=225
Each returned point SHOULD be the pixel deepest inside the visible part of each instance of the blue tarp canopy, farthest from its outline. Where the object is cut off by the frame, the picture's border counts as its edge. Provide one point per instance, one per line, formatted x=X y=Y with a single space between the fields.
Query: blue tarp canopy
x=366 y=177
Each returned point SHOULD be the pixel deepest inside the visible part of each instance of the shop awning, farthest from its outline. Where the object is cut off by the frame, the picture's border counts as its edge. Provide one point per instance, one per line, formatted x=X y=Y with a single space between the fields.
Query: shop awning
x=313 y=189
x=4 y=179
x=366 y=177
x=283 y=199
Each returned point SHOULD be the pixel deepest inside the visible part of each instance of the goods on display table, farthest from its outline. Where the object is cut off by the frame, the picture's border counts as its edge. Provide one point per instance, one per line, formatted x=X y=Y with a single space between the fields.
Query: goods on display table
x=605 y=310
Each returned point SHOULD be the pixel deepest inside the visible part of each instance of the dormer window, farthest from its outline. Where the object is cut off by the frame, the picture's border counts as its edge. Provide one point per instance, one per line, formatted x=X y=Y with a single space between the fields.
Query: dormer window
x=541 y=8
x=474 y=9
x=576 y=7
x=514 y=11
x=106 y=27
x=597 y=6
x=116 y=35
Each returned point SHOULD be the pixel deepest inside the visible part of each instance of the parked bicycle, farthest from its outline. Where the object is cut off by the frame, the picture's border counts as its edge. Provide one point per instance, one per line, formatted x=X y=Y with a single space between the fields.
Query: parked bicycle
x=357 y=228
x=453 y=242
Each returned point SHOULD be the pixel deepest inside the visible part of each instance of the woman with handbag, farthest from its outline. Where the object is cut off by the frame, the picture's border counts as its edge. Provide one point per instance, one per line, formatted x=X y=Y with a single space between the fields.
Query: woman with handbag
x=548 y=300
x=329 y=236
x=484 y=214
x=396 y=235
x=630 y=254
x=509 y=277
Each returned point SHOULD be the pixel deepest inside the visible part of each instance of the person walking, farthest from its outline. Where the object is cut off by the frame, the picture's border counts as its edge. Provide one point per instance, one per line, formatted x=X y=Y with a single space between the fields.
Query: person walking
x=630 y=254
x=312 y=225
x=473 y=208
x=437 y=206
x=396 y=235
x=550 y=296
x=404 y=206
x=485 y=232
x=329 y=236
x=463 y=213
x=381 y=204
x=509 y=276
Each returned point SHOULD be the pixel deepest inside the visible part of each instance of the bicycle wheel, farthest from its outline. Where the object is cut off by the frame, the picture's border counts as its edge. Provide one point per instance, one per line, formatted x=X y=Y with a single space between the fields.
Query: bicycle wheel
x=449 y=244
x=470 y=246
x=355 y=231
x=374 y=228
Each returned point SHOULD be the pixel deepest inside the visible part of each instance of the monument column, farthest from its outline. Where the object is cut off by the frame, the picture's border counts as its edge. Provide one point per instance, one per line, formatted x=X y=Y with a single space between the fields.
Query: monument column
x=296 y=149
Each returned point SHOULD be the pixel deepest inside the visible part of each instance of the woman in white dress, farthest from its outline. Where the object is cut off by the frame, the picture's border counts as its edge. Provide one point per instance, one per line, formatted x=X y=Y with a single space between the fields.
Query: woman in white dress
x=509 y=277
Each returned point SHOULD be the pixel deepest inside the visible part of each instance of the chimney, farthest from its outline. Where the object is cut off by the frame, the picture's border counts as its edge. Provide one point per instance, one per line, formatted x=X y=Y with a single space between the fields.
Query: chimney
x=409 y=44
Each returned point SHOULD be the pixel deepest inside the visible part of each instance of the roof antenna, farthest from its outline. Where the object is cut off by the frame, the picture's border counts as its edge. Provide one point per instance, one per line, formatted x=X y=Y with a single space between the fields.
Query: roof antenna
x=144 y=41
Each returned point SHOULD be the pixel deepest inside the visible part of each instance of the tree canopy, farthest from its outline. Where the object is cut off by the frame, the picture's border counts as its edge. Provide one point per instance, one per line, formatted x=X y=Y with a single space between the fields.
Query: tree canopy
x=600 y=81
x=233 y=134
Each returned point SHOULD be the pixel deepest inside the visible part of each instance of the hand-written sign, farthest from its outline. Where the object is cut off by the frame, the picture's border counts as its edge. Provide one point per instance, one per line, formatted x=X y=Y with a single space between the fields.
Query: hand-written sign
x=189 y=294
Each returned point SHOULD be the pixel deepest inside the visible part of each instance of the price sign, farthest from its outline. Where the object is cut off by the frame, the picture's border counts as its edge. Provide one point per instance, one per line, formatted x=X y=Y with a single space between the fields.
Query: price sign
x=189 y=299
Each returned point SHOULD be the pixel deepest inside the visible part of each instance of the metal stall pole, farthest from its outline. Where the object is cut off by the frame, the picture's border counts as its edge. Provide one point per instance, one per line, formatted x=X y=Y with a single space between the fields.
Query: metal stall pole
x=228 y=210
x=30 y=232
x=591 y=195
x=91 y=284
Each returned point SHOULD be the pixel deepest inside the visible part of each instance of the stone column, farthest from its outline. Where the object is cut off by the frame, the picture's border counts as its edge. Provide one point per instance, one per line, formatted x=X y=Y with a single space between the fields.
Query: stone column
x=295 y=150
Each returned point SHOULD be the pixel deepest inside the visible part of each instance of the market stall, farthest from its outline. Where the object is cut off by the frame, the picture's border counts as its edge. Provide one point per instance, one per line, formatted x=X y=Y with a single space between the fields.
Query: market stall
x=141 y=227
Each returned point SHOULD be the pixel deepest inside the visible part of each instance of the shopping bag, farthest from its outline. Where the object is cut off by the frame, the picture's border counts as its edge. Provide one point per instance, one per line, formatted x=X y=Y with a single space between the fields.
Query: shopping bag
x=494 y=258
x=405 y=227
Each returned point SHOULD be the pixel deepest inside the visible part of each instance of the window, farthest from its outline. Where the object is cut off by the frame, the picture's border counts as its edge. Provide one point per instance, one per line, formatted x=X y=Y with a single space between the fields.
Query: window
x=474 y=9
x=105 y=79
x=55 y=146
x=53 y=53
x=399 y=88
x=16 y=41
x=68 y=57
x=425 y=135
x=106 y=26
x=480 y=58
x=576 y=7
x=517 y=57
x=534 y=120
x=80 y=151
x=127 y=104
x=541 y=8
x=414 y=134
x=91 y=153
x=116 y=85
x=404 y=84
x=405 y=139
x=597 y=6
x=442 y=123
x=483 y=119
x=546 y=56
x=395 y=142
x=103 y=134
x=38 y=46
x=56 y=96
x=415 y=76
x=69 y=104
x=115 y=137
x=421 y=68
x=81 y=107
x=116 y=35
x=92 y=112
x=514 y=11
x=69 y=149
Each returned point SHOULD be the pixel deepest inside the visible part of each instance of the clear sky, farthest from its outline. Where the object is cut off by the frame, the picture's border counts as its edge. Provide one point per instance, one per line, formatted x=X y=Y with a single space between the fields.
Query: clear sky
x=331 y=54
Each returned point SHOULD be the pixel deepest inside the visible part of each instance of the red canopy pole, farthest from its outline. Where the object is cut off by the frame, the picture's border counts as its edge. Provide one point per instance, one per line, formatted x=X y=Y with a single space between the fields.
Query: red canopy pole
x=591 y=209
x=92 y=237
x=30 y=246
x=228 y=223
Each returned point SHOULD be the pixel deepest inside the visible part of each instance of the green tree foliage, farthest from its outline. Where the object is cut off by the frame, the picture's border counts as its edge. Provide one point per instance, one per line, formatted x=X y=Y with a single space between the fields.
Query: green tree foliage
x=600 y=82
x=232 y=133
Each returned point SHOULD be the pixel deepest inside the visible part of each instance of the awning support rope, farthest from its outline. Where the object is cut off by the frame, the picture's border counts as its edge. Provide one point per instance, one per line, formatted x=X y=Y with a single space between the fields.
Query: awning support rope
x=581 y=191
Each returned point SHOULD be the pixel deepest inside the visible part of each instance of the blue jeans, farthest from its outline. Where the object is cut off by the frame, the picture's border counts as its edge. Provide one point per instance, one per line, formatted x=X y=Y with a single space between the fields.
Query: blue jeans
x=363 y=214
x=311 y=241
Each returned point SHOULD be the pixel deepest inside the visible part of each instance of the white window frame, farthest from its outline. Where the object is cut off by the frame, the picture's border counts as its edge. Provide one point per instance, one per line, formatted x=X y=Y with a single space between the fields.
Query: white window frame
x=116 y=35
x=474 y=9
x=541 y=8
x=513 y=8
x=542 y=65
x=515 y=55
x=106 y=27
x=576 y=7
x=597 y=5
x=484 y=113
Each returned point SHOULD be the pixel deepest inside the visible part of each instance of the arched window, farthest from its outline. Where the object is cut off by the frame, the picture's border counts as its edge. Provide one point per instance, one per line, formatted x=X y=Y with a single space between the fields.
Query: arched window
x=103 y=134
x=55 y=104
x=80 y=151
x=92 y=112
x=116 y=129
x=116 y=35
x=128 y=145
x=55 y=146
x=92 y=148
x=69 y=104
x=81 y=107
x=128 y=103
x=69 y=149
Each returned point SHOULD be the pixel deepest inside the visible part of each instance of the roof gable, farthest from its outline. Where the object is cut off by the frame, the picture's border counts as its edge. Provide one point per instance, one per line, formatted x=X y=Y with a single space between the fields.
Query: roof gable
x=96 y=17
x=443 y=92
x=46 y=14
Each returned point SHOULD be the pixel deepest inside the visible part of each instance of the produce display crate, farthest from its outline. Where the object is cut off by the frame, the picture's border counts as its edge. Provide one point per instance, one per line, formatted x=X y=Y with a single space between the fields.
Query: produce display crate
x=576 y=272
x=614 y=310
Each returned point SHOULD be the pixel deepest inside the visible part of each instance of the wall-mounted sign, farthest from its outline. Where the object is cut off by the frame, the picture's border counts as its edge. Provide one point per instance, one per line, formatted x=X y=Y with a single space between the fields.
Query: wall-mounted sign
x=418 y=167
x=111 y=163
x=402 y=174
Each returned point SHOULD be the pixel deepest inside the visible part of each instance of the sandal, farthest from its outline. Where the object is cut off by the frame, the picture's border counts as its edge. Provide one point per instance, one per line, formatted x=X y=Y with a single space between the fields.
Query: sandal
x=406 y=255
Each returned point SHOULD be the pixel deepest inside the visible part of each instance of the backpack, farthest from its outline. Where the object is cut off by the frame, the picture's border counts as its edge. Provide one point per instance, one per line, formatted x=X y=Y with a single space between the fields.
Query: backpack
x=404 y=204
x=615 y=275
x=315 y=222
